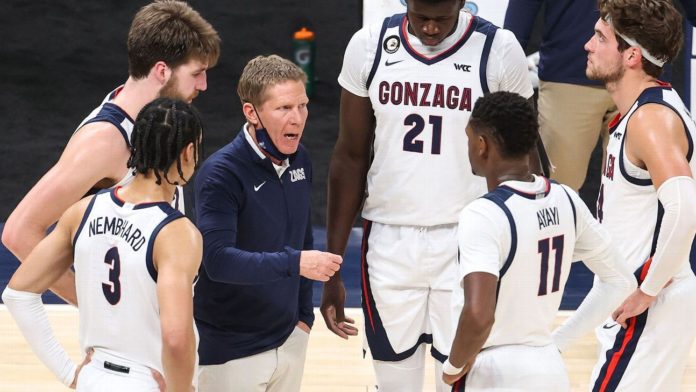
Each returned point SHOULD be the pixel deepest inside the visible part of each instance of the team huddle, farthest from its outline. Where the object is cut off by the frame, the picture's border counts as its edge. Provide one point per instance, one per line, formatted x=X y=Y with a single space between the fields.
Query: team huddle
x=469 y=256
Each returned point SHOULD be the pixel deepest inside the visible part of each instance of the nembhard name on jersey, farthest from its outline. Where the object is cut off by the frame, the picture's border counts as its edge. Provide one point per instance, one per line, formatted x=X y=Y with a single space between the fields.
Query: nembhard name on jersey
x=548 y=217
x=425 y=94
x=117 y=227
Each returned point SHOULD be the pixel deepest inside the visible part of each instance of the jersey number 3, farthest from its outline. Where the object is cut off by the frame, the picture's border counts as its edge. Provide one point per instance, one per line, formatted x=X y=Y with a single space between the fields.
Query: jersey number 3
x=418 y=124
x=112 y=289
x=544 y=249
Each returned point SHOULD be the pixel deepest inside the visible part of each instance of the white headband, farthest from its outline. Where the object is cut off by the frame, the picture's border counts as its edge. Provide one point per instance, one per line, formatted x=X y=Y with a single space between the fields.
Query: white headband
x=635 y=43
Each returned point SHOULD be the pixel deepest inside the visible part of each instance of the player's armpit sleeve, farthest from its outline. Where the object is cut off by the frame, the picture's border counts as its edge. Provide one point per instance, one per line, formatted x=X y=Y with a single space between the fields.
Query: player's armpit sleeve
x=507 y=68
x=481 y=239
x=613 y=279
x=217 y=209
x=29 y=313
x=353 y=76
x=678 y=198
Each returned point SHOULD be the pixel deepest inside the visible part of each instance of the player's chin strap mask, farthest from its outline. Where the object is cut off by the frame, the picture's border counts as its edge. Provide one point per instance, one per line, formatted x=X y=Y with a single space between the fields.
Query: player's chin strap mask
x=265 y=142
x=648 y=56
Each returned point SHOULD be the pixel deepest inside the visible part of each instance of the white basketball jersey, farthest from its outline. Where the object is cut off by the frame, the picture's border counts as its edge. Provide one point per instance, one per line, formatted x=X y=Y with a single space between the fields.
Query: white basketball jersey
x=534 y=263
x=420 y=174
x=113 y=114
x=627 y=205
x=116 y=278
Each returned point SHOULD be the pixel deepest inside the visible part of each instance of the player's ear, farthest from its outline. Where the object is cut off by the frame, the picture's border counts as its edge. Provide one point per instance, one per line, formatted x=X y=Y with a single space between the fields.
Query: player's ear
x=482 y=145
x=161 y=72
x=633 y=56
x=188 y=154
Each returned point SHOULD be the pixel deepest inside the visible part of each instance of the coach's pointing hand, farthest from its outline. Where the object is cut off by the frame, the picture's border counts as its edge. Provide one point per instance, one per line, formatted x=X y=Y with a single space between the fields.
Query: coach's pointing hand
x=318 y=265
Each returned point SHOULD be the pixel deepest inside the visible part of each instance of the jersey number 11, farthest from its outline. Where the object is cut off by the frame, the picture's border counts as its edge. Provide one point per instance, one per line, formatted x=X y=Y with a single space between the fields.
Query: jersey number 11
x=544 y=249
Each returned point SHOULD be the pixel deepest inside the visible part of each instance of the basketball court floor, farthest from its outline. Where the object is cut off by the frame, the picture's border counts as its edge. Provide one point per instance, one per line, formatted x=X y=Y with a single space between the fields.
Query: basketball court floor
x=333 y=364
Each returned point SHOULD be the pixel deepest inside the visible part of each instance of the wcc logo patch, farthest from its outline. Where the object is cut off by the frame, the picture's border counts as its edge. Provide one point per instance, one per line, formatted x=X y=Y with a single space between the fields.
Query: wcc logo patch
x=297 y=175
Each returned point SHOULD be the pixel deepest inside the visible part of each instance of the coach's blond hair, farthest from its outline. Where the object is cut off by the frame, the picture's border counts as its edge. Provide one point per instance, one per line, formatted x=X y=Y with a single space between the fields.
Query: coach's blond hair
x=169 y=31
x=263 y=72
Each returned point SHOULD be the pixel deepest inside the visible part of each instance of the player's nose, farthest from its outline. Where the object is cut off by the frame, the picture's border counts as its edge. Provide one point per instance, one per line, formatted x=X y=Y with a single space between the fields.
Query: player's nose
x=431 y=28
x=202 y=83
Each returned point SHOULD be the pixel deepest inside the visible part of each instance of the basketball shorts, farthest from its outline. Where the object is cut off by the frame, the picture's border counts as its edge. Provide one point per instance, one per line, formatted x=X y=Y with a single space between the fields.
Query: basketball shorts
x=106 y=373
x=408 y=274
x=516 y=368
x=651 y=353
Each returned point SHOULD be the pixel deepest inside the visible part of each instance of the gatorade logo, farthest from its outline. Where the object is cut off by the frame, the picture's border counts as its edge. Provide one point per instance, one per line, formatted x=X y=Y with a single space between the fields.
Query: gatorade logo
x=303 y=56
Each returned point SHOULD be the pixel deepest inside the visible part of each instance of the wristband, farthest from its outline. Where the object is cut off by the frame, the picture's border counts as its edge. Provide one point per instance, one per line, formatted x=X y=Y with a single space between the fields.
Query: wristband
x=450 y=370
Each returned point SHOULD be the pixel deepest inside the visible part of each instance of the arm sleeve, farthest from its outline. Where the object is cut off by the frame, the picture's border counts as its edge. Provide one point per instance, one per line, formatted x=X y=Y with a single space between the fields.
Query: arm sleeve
x=613 y=279
x=29 y=313
x=218 y=202
x=357 y=62
x=520 y=17
x=507 y=68
x=306 y=306
x=483 y=237
x=678 y=198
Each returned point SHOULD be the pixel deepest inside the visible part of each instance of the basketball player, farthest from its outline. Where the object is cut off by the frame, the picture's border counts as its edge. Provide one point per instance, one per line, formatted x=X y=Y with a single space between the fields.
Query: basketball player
x=135 y=262
x=516 y=246
x=409 y=85
x=647 y=198
x=170 y=47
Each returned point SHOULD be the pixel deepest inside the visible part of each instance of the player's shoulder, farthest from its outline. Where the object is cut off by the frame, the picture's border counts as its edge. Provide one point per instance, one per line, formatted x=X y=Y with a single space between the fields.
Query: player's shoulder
x=100 y=134
x=367 y=36
x=504 y=39
x=653 y=112
x=655 y=123
x=180 y=231
x=557 y=185
x=482 y=208
x=74 y=214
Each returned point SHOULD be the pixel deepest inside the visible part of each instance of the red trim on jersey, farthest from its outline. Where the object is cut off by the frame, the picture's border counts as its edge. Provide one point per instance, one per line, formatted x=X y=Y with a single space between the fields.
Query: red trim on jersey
x=627 y=337
x=457 y=386
x=117 y=91
x=617 y=355
x=663 y=84
x=363 y=256
x=116 y=189
x=615 y=121
x=452 y=47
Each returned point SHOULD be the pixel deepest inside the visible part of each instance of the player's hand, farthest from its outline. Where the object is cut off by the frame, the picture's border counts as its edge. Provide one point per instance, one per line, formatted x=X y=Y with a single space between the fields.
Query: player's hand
x=159 y=378
x=88 y=359
x=449 y=379
x=636 y=303
x=333 y=299
x=318 y=265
